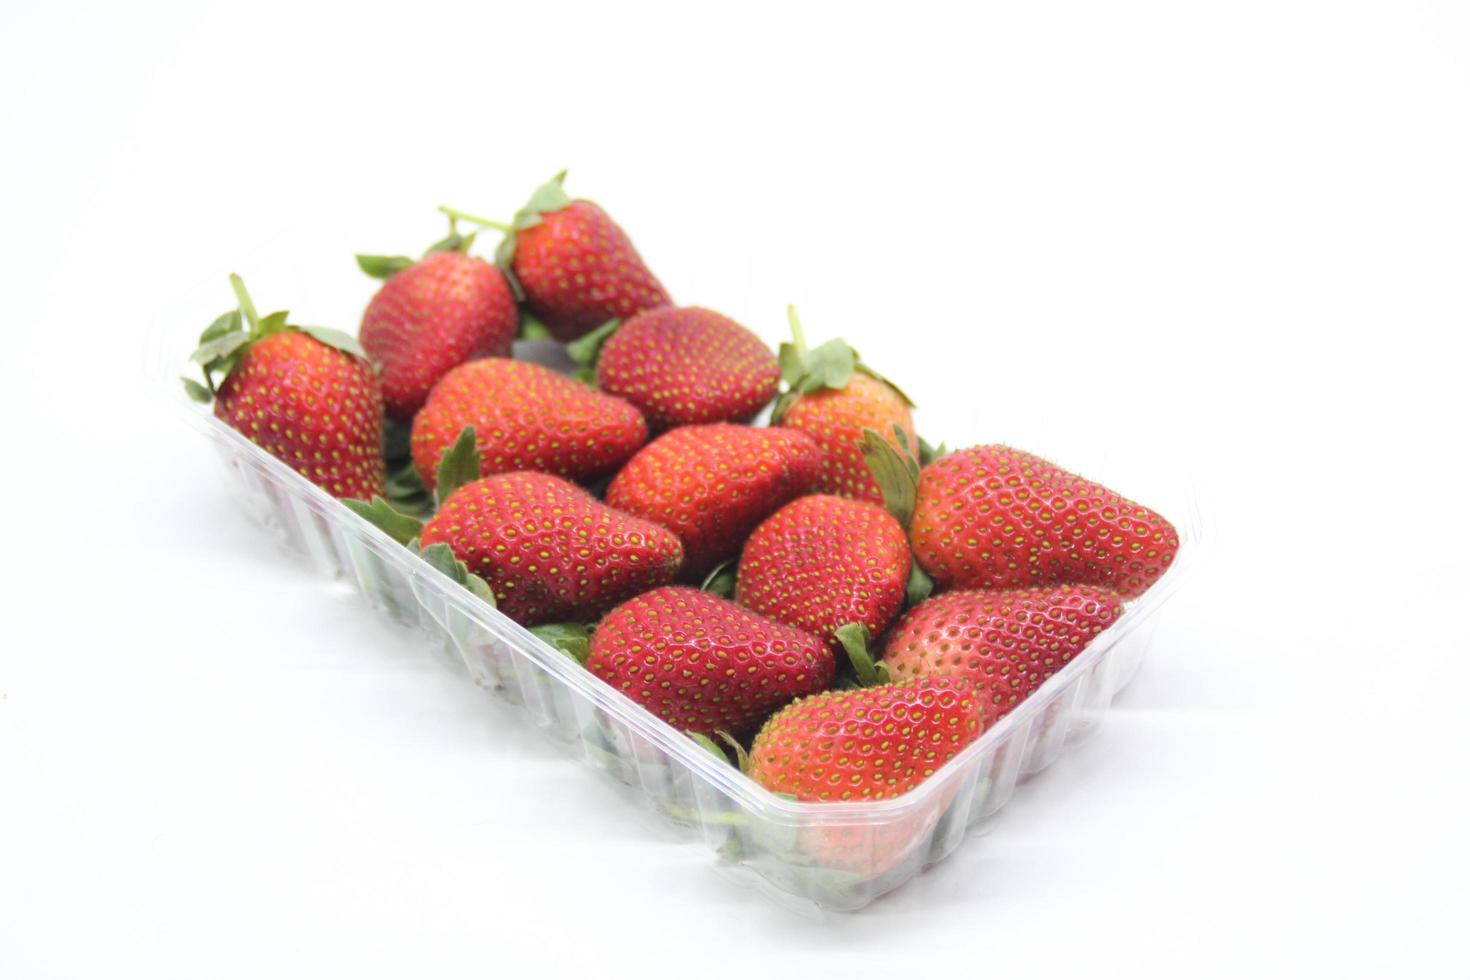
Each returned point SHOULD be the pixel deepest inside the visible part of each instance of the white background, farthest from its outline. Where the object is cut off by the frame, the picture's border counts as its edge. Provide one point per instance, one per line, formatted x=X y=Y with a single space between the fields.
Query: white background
x=1235 y=237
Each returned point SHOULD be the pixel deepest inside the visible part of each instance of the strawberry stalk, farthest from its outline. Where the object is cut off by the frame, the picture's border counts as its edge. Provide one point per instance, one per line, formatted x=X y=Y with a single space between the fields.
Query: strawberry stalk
x=455 y=214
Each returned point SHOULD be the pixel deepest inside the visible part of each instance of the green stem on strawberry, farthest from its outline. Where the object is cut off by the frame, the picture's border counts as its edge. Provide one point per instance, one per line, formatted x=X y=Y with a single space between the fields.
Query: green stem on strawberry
x=474 y=219
x=796 y=332
x=247 y=306
x=855 y=640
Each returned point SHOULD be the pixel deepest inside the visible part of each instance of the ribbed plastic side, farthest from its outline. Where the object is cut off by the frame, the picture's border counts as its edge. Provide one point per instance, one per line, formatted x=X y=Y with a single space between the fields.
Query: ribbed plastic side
x=837 y=856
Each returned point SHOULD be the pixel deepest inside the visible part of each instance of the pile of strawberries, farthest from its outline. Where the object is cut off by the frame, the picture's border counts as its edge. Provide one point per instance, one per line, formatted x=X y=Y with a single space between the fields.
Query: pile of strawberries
x=843 y=605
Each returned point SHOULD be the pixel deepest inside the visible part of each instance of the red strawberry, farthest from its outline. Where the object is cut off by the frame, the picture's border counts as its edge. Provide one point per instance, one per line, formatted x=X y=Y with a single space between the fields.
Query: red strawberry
x=862 y=745
x=870 y=743
x=575 y=266
x=703 y=664
x=833 y=397
x=304 y=394
x=993 y=517
x=712 y=484
x=431 y=315
x=526 y=417
x=1007 y=642
x=548 y=549
x=822 y=562
x=688 y=366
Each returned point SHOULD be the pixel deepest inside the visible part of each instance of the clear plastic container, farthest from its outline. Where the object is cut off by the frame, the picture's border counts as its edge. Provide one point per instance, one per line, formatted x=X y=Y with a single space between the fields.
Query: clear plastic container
x=838 y=856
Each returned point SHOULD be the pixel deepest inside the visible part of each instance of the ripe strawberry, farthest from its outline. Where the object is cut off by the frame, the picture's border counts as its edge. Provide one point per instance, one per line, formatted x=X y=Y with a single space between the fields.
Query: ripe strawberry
x=993 y=517
x=526 y=417
x=833 y=397
x=548 y=549
x=576 y=268
x=870 y=743
x=304 y=394
x=431 y=315
x=712 y=484
x=822 y=562
x=688 y=366
x=703 y=664
x=1007 y=642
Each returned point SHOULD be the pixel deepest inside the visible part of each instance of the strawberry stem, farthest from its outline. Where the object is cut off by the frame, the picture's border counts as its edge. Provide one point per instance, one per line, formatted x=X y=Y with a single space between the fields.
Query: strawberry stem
x=796 y=333
x=455 y=213
x=247 y=307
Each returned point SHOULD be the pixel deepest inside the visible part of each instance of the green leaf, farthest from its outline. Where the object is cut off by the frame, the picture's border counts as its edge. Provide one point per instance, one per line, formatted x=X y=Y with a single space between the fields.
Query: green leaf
x=550 y=196
x=453 y=242
x=708 y=744
x=342 y=341
x=572 y=639
x=441 y=557
x=458 y=466
x=197 y=391
x=721 y=579
x=919 y=587
x=405 y=490
x=742 y=758
x=928 y=453
x=830 y=365
x=584 y=349
x=532 y=328
x=383 y=266
x=855 y=639
x=896 y=473
x=479 y=587
x=227 y=322
x=878 y=377
x=792 y=366
x=382 y=515
x=220 y=347
x=272 y=323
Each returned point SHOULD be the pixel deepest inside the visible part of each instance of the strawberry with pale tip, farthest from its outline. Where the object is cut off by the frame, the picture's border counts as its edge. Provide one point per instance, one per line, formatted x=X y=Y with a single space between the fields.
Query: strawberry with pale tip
x=304 y=394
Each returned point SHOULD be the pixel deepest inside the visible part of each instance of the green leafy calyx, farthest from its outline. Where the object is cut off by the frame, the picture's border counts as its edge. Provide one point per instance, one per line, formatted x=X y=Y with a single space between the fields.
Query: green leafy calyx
x=896 y=471
x=572 y=639
x=855 y=640
x=721 y=579
x=441 y=557
x=225 y=340
x=399 y=526
x=584 y=349
x=458 y=466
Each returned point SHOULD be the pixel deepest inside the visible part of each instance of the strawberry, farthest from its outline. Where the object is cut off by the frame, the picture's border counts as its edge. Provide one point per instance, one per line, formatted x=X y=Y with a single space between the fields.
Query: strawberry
x=576 y=268
x=688 y=366
x=548 y=549
x=527 y=417
x=823 y=562
x=306 y=395
x=702 y=663
x=431 y=315
x=862 y=745
x=993 y=517
x=712 y=484
x=870 y=743
x=833 y=397
x=1007 y=642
